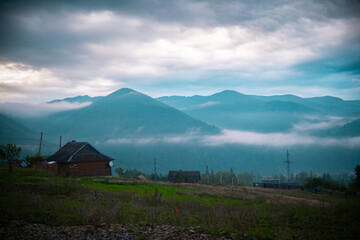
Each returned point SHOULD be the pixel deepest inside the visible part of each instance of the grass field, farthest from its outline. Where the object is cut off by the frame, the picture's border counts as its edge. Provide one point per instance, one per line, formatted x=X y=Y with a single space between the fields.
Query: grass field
x=231 y=211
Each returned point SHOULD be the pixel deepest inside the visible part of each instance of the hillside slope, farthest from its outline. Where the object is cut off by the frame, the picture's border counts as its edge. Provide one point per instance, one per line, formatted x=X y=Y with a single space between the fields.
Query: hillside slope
x=122 y=113
x=13 y=131
x=233 y=110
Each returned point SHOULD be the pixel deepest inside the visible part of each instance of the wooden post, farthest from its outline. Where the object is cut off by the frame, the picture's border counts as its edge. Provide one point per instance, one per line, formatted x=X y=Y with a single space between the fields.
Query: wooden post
x=155 y=168
x=41 y=135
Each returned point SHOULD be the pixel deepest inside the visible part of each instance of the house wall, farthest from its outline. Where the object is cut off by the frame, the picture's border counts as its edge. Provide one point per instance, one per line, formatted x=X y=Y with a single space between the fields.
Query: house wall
x=53 y=168
x=40 y=166
x=85 y=169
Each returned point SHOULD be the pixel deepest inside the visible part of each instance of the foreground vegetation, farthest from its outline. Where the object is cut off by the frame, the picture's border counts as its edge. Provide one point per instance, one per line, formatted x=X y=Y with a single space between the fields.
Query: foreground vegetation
x=39 y=197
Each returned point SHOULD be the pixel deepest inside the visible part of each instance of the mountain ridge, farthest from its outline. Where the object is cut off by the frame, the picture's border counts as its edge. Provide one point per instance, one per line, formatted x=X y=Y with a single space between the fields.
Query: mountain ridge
x=121 y=113
x=233 y=110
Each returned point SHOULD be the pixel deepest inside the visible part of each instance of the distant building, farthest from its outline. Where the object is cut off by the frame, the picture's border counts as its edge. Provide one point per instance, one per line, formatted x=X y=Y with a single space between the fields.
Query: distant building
x=184 y=176
x=141 y=177
x=16 y=163
x=276 y=183
x=79 y=159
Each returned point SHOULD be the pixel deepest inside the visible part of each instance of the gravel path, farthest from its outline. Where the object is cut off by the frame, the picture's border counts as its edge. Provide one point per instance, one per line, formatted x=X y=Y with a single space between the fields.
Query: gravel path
x=18 y=230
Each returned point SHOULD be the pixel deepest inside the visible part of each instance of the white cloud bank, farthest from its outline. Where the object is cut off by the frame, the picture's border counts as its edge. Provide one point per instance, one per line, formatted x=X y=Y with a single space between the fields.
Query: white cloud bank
x=244 y=138
x=277 y=139
x=20 y=82
x=24 y=110
x=310 y=123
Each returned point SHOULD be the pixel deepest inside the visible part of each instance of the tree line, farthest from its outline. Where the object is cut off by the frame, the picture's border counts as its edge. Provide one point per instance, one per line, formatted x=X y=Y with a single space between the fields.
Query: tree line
x=334 y=182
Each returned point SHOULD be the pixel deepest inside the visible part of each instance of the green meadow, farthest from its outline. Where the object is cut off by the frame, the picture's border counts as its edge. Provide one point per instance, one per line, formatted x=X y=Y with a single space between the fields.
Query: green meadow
x=235 y=212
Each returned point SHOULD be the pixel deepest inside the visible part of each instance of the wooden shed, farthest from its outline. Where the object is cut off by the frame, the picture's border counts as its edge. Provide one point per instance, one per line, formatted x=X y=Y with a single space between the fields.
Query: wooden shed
x=79 y=159
x=184 y=176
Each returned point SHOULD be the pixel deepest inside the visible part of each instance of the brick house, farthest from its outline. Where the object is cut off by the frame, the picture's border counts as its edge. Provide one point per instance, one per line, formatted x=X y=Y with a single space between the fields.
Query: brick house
x=79 y=159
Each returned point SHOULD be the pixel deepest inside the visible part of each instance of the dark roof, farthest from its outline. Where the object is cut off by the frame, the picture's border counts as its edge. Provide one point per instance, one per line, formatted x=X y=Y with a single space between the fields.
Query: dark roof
x=78 y=152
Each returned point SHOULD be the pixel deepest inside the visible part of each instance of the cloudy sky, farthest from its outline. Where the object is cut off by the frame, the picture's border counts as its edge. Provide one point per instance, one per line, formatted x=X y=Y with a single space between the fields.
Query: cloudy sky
x=53 y=49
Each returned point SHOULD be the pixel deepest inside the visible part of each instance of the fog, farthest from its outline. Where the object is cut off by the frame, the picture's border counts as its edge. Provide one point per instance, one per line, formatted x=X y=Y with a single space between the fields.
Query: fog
x=24 y=110
x=243 y=138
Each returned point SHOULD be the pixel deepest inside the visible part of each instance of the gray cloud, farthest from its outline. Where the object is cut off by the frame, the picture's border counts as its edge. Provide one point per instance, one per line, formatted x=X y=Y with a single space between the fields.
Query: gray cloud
x=143 y=44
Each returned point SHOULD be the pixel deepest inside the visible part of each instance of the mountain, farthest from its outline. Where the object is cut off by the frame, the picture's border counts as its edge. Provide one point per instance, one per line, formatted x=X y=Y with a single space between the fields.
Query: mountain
x=78 y=99
x=327 y=105
x=120 y=114
x=233 y=110
x=142 y=128
x=13 y=131
x=350 y=129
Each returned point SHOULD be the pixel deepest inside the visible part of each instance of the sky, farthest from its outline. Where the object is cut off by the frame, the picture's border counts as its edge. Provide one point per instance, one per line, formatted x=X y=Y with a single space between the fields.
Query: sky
x=57 y=49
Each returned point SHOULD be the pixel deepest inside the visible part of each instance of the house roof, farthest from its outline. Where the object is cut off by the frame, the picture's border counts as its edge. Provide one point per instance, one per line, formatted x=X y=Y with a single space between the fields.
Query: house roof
x=78 y=152
x=141 y=177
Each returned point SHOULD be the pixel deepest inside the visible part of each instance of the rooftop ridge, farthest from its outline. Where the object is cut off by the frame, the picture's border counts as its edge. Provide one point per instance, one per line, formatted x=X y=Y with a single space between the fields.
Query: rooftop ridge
x=77 y=151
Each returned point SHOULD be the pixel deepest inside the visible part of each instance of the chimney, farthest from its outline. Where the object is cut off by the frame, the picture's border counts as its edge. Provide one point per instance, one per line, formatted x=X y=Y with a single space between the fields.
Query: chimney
x=73 y=141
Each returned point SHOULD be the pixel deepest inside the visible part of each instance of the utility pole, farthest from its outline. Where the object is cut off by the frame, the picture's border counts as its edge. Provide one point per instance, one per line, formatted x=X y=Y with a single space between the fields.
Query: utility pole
x=41 y=135
x=232 y=176
x=288 y=164
x=155 y=168
x=60 y=143
x=207 y=174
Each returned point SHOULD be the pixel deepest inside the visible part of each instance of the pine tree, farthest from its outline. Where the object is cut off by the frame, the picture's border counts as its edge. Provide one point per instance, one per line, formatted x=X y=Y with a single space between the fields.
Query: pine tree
x=357 y=176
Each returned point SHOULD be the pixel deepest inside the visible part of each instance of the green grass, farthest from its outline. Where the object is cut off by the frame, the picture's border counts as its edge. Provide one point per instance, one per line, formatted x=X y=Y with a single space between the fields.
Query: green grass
x=39 y=197
x=139 y=189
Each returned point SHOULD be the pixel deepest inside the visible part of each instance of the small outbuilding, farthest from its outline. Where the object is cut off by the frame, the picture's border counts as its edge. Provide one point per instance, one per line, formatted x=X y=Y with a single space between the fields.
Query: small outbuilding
x=79 y=159
x=141 y=177
x=184 y=176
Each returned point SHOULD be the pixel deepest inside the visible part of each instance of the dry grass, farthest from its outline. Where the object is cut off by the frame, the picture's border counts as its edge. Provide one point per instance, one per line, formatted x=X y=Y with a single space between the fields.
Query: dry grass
x=230 y=211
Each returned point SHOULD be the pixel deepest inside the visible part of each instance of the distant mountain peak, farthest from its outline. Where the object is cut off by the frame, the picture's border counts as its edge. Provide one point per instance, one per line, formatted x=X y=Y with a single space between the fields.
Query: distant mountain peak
x=122 y=92
x=228 y=92
x=328 y=98
x=227 y=95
